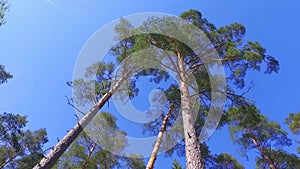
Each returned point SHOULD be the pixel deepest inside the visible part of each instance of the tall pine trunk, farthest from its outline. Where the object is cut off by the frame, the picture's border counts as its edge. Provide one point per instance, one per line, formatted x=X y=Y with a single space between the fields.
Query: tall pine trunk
x=49 y=161
x=158 y=142
x=192 y=145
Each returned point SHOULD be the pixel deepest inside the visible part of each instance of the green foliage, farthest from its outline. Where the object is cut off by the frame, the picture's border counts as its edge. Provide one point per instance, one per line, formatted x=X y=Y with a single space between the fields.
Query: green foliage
x=173 y=95
x=76 y=155
x=105 y=127
x=238 y=57
x=28 y=161
x=108 y=159
x=96 y=82
x=19 y=148
x=134 y=162
x=78 y=152
x=245 y=116
x=236 y=54
x=225 y=160
x=176 y=165
x=252 y=130
x=293 y=120
x=4 y=7
x=281 y=158
x=195 y=17
x=4 y=76
x=104 y=131
x=246 y=123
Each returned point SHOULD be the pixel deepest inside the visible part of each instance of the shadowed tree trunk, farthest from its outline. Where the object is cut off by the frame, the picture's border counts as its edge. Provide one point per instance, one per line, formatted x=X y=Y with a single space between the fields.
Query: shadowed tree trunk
x=158 y=142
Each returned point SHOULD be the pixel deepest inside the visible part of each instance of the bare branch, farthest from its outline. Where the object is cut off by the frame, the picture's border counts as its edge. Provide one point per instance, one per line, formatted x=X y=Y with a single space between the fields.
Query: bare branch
x=72 y=105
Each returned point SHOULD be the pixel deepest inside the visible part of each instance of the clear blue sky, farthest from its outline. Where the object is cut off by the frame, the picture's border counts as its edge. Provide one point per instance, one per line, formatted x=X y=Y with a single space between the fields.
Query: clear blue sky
x=41 y=41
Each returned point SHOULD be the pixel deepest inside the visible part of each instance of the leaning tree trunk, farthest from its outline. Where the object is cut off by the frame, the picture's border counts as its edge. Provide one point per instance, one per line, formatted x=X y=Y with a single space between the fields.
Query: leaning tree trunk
x=89 y=156
x=12 y=158
x=49 y=161
x=263 y=153
x=158 y=142
x=192 y=145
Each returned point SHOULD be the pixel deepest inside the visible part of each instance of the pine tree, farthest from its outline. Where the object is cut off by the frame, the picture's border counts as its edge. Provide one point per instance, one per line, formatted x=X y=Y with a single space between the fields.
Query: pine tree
x=19 y=148
x=251 y=130
x=235 y=54
x=293 y=120
x=282 y=160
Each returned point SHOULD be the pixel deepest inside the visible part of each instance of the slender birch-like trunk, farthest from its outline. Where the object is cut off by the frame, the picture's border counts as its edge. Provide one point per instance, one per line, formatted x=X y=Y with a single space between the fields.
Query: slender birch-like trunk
x=192 y=145
x=158 y=142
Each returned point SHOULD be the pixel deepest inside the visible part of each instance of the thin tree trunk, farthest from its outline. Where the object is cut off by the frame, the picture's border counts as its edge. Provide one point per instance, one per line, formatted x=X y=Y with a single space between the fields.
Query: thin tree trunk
x=263 y=153
x=12 y=158
x=158 y=142
x=49 y=161
x=192 y=145
x=8 y=161
x=89 y=155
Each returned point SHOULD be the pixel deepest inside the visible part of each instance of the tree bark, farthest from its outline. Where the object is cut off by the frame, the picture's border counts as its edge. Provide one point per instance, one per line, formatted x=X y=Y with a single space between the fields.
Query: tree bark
x=192 y=145
x=49 y=161
x=12 y=158
x=158 y=142
x=89 y=155
x=263 y=153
